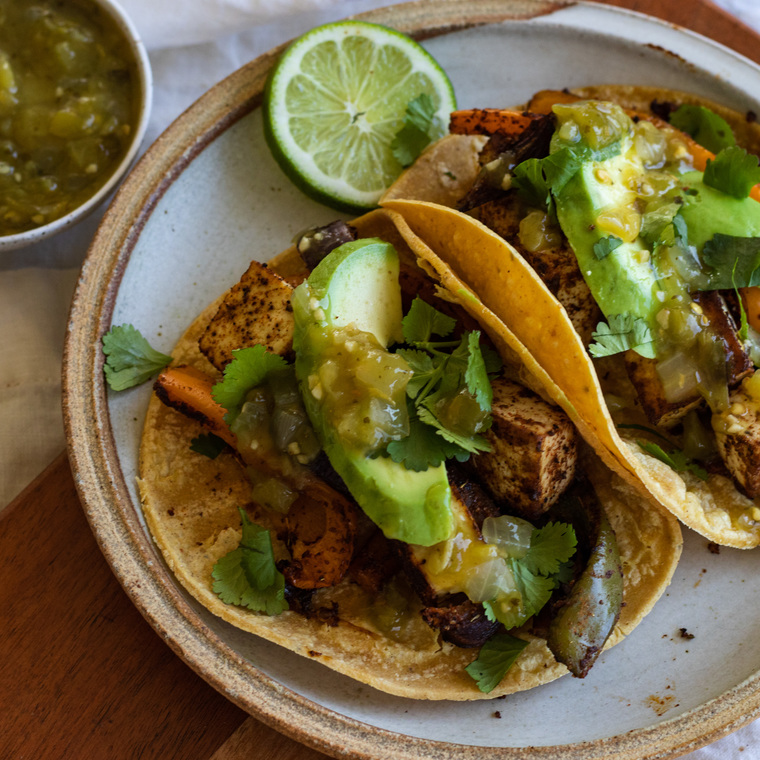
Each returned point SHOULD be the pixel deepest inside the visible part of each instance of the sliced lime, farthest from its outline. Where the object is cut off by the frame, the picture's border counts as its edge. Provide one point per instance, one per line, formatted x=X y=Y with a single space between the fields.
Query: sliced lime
x=336 y=100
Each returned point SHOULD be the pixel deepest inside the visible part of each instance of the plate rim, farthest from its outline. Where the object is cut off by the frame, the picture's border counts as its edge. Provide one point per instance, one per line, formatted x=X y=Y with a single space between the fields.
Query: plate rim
x=112 y=515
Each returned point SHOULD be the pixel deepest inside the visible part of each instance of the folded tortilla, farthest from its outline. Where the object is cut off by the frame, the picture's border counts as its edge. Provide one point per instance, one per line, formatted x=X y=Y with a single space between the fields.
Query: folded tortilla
x=191 y=505
x=511 y=289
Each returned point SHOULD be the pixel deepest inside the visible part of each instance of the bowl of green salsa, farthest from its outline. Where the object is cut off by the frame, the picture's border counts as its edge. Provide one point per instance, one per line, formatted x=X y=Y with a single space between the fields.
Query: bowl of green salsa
x=75 y=96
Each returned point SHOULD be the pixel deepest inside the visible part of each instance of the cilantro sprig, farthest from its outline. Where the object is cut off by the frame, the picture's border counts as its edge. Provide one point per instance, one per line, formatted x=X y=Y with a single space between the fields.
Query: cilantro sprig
x=418 y=130
x=675 y=459
x=733 y=171
x=449 y=392
x=623 y=331
x=130 y=359
x=248 y=369
x=536 y=574
x=495 y=658
x=247 y=576
x=705 y=126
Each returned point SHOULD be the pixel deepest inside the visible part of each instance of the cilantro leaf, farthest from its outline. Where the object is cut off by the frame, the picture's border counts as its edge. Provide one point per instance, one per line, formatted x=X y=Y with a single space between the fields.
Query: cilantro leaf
x=550 y=547
x=733 y=171
x=536 y=589
x=208 y=444
x=495 y=658
x=247 y=576
x=537 y=179
x=424 y=368
x=735 y=262
x=464 y=443
x=416 y=133
x=450 y=388
x=422 y=321
x=130 y=359
x=705 y=126
x=624 y=331
x=423 y=447
x=476 y=374
x=605 y=246
x=248 y=369
x=676 y=459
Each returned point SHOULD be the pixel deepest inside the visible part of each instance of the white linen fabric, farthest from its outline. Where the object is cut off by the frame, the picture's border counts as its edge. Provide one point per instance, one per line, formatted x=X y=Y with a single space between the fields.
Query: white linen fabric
x=192 y=45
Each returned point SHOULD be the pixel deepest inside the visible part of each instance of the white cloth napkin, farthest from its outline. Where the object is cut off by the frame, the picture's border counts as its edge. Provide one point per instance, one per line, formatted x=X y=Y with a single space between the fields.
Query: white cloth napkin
x=192 y=45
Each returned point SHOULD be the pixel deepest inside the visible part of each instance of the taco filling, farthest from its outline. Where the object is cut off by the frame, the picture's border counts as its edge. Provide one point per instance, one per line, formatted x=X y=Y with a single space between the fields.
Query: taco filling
x=639 y=212
x=391 y=498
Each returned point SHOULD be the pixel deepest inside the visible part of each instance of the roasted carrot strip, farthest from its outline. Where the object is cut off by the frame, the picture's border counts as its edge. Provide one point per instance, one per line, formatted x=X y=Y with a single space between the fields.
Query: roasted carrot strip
x=188 y=390
x=543 y=100
x=487 y=121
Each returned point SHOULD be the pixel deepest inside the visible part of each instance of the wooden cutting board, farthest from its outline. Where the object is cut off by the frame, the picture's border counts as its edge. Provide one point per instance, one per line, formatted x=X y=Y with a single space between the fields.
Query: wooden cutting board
x=82 y=674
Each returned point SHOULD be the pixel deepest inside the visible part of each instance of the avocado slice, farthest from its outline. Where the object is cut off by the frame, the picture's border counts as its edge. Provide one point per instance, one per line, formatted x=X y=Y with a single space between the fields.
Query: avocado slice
x=707 y=210
x=624 y=280
x=351 y=303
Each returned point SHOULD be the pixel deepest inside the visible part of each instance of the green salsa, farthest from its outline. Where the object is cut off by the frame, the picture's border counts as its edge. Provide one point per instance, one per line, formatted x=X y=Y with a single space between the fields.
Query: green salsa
x=69 y=94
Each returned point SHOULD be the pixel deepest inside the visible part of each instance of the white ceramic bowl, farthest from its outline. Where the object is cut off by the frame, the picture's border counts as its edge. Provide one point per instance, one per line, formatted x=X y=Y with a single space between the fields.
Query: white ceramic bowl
x=145 y=81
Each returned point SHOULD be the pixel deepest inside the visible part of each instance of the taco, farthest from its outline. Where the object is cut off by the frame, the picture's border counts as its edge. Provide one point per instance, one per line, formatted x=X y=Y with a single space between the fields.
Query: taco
x=624 y=225
x=405 y=593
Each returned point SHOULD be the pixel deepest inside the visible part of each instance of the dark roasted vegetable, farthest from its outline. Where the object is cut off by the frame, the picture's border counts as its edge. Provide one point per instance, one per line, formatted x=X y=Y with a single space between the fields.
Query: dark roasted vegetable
x=586 y=617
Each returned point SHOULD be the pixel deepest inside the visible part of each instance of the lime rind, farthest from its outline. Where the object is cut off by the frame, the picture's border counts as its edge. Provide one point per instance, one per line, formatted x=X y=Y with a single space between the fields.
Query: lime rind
x=329 y=124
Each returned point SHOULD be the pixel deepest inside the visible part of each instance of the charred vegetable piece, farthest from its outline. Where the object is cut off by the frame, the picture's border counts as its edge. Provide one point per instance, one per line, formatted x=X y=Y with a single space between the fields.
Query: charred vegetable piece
x=188 y=390
x=321 y=532
x=587 y=616
x=256 y=310
x=464 y=624
x=316 y=243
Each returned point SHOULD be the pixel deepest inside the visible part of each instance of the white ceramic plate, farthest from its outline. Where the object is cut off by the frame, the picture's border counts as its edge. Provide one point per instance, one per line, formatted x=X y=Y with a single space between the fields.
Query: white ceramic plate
x=207 y=198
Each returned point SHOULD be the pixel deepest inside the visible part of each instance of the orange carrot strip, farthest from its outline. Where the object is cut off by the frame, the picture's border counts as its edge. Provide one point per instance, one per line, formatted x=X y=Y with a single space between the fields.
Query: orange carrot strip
x=751 y=299
x=543 y=100
x=487 y=121
x=188 y=390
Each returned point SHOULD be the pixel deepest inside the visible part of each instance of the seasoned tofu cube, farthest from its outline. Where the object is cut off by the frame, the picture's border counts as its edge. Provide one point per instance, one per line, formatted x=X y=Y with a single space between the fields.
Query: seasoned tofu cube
x=254 y=311
x=534 y=448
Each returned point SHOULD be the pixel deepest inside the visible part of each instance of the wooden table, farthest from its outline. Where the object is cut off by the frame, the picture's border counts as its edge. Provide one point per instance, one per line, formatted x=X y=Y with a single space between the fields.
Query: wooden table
x=82 y=674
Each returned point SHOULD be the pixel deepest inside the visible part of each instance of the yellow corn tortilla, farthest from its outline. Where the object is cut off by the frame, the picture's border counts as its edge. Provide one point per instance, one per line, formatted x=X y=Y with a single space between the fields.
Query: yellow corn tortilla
x=513 y=291
x=191 y=505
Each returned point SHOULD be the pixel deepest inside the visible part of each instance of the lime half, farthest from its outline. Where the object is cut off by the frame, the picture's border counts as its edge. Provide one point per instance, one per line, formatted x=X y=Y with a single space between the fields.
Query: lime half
x=336 y=100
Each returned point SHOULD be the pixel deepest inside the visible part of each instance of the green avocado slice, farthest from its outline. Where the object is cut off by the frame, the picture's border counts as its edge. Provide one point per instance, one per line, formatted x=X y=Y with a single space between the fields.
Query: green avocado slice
x=356 y=288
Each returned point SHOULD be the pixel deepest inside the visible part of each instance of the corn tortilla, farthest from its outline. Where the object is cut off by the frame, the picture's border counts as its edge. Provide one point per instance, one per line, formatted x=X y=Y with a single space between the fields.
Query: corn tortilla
x=513 y=291
x=191 y=506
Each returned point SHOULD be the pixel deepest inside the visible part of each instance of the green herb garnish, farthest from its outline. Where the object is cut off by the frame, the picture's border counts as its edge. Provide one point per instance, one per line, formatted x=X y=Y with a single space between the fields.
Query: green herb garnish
x=675 y=459
x=248 y=369
x=248 y=576
x=416 y=134
x=450 y=384
x=495 y=658
x=605 y=246
x=733 y=171
x=706 y=127
x=735 y=262
x=623 y=332
x=537 y=179
x=130 y=359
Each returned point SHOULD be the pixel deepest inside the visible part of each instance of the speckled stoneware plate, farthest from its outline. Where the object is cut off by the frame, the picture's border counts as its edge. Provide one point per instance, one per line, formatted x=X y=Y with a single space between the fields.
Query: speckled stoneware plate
x=205 y=199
